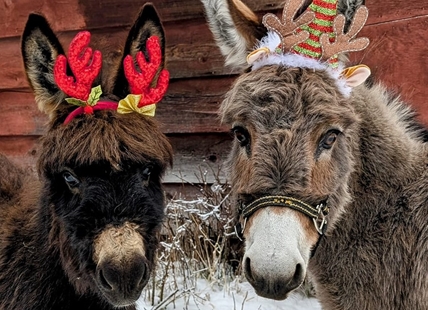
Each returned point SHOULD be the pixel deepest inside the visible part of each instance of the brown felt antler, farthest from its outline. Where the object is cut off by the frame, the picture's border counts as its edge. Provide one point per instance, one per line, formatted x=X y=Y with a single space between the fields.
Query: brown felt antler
x=345 y=42
x=287 y=27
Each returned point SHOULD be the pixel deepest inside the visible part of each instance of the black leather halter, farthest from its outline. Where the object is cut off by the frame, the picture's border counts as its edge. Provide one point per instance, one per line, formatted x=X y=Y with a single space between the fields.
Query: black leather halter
x=317 y=214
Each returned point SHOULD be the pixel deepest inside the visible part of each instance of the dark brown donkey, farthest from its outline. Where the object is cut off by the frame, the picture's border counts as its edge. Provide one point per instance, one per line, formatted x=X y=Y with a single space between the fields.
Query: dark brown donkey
x=319 y=152
x=84 y=235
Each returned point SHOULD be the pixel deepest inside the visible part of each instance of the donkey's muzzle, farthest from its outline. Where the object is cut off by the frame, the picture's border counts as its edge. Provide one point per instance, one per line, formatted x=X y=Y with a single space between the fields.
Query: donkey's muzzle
x=122 y=268
x=275 y=286
x=122 y=283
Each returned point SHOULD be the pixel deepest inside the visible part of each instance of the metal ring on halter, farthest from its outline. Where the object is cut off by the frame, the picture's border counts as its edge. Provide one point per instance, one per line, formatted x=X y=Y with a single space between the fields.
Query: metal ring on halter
x=320 y=221
x=317 y=214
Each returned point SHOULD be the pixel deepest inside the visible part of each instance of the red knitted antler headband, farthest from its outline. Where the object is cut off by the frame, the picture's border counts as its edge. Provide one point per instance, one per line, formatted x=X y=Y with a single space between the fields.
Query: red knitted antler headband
x=86 y=65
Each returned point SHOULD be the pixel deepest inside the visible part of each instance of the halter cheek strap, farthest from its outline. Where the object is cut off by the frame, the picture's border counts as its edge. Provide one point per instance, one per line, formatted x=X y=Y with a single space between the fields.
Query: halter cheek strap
x=317 y=214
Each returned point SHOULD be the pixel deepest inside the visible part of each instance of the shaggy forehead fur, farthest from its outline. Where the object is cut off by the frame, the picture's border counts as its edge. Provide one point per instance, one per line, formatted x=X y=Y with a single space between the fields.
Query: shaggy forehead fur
x=277 y=97
x=106 y=137
x=287 y=111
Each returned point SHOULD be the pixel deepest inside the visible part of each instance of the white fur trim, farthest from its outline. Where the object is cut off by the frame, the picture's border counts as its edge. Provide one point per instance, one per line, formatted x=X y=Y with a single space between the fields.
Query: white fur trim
x=289 y=60
x=272 y=40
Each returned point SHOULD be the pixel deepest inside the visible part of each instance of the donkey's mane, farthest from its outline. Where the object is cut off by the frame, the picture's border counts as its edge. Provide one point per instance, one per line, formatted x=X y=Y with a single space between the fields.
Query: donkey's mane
x=406 y=117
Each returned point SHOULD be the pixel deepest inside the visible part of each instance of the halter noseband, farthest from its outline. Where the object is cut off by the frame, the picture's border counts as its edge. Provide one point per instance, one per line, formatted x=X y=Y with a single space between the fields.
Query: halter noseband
x=317 y=214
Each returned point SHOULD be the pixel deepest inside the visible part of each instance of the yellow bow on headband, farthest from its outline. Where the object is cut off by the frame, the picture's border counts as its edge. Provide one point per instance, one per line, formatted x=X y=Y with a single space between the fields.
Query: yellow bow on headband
x=130 y=104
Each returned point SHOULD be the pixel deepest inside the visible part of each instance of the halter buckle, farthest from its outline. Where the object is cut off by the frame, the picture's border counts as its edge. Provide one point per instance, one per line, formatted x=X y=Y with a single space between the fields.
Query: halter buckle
x=320 y=221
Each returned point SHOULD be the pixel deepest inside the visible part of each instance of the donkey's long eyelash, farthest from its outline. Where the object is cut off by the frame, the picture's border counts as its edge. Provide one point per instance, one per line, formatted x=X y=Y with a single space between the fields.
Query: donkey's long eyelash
x=242 y=135
x=234 y=128
x=332 y=130
x=326 y=141
x=145 y=174
x=72 y=181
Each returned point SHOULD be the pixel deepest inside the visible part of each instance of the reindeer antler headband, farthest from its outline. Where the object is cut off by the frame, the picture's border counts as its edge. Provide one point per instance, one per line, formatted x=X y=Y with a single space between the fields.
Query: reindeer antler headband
x=86 y=66
x=313 y=40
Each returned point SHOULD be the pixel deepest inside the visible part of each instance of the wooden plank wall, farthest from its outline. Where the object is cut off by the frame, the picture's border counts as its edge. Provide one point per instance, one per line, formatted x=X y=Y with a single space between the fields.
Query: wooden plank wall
x=397 y=55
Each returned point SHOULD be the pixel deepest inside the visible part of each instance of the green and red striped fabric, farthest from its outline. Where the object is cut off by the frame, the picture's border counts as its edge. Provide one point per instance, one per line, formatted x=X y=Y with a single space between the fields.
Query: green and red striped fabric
x=325 y=12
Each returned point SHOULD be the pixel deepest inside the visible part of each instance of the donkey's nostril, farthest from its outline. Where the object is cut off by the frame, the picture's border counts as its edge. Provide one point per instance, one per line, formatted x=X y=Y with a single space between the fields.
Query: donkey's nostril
x=103 y=281
x=123 y=280
x=298 y=273
x=247 y=269
x=297 y=277
x=143 y=272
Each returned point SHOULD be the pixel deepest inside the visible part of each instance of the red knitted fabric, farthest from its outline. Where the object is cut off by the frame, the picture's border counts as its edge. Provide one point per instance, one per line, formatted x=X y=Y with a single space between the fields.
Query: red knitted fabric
x=140 y=80
x=84 y=64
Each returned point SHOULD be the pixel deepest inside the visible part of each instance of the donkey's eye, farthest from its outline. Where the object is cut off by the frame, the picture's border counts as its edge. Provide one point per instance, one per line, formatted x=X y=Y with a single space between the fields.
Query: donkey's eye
x=145 y=174
x=329 y=138
x=70 y=179
x=242 y=135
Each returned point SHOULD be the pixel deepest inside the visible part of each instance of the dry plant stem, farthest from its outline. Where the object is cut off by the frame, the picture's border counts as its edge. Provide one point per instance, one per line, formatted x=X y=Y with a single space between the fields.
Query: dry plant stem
x=195 y=244
x=234 y=302
x=164 y=279
x=243 y=302
x=153 y=290
x=166 y=301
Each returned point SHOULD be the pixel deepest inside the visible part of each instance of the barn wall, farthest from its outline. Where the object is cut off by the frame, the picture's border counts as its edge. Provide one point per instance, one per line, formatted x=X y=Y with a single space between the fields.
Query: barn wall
x=397 y=55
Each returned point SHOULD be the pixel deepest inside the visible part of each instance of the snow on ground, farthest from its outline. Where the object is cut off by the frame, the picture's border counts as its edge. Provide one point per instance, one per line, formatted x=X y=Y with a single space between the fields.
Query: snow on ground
x=238 y=296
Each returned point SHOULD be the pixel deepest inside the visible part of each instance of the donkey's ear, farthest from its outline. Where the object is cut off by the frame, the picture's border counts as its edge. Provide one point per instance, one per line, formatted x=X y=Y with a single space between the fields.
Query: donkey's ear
x=40 y=47
x=348 y=9
x=147 y=24
x=236 y=29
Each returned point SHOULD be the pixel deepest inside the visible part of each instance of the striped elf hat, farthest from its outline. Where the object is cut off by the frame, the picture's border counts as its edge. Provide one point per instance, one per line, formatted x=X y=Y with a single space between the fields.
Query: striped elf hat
x=318 y=34
x=325 y=13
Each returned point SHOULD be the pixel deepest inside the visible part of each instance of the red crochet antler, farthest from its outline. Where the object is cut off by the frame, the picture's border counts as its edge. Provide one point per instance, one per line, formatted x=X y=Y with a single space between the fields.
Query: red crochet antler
x=139 y=82
x=84 y=70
